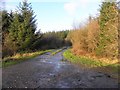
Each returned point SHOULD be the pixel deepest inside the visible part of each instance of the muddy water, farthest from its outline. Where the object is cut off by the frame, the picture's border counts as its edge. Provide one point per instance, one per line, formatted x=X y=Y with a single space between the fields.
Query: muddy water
x=47 y=71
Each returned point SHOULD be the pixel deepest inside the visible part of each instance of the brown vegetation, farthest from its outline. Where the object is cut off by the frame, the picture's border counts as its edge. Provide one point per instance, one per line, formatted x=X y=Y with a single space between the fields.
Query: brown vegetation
x=99 y=37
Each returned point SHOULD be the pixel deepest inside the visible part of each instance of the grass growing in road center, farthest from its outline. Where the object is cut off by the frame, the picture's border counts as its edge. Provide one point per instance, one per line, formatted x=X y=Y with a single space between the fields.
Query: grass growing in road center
x=21 y=57
x=57 y=51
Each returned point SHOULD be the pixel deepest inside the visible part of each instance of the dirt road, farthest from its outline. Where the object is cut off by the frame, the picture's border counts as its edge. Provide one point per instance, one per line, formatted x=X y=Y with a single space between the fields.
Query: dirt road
x=47 y=71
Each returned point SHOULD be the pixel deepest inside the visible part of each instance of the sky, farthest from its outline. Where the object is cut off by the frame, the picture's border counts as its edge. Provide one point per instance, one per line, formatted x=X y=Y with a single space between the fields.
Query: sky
x=56 y=15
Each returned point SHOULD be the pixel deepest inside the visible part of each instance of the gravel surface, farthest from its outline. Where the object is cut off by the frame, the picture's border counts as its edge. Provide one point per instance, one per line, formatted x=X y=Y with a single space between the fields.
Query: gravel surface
x=47 y=71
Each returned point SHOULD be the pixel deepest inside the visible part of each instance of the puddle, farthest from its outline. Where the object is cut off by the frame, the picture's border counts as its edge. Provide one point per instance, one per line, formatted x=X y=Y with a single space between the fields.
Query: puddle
x=46 y=61
x=58 y=66
x=51 y=74
x=42 y=61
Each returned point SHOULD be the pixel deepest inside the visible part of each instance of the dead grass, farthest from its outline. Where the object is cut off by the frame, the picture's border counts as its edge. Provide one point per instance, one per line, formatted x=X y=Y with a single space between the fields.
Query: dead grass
x=21 y=57
x=93 y=56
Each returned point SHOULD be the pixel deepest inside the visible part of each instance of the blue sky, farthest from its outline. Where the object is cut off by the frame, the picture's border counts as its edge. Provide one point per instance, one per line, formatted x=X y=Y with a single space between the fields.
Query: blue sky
x=56 y=15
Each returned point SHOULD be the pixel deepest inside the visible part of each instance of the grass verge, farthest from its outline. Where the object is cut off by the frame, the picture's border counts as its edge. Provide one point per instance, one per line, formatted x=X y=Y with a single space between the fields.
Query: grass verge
x=21 y=57
x=91 y=63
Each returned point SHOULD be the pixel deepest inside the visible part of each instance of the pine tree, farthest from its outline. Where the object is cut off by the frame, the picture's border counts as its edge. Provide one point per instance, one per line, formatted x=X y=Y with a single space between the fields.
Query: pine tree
x=11 y=40
x=108 y=38
x=5 y=22
x=26 y=34
x=22 y=29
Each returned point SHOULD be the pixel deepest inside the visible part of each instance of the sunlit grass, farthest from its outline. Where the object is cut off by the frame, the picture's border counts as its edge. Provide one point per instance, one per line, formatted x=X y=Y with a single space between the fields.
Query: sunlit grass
x=90 y=62
x=82 y=60
x=21 y=57
x=57 y=51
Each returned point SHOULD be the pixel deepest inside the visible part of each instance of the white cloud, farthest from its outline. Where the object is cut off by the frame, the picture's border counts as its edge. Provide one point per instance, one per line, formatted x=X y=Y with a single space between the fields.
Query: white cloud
x=71 y=7
x=12 y=0
x=54 y=27
x=10 y=7
x=38 y=0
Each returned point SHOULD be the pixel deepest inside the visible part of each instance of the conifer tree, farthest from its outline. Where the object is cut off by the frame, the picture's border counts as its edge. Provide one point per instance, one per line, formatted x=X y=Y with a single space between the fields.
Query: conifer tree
x=11 y=40
x=26 y=34
x=108 y=38
x=22 y=29
x=5 y=22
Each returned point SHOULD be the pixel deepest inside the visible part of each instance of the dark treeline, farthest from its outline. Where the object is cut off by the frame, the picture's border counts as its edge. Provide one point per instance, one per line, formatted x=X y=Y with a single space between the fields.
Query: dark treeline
x=52 y=40
x=18 y=32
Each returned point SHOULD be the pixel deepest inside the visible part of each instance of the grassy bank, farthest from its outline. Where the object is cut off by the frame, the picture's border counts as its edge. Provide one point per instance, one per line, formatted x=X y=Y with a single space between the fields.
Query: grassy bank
x=21 y=57
x=91 y=63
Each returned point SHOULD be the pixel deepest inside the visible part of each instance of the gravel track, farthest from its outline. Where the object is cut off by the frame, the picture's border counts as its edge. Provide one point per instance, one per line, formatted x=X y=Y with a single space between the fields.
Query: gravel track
x=47 y=71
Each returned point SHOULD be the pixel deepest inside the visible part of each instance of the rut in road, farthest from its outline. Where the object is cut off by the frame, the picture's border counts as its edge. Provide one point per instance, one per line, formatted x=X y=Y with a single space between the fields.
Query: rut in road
x=48 y=71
